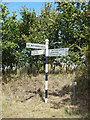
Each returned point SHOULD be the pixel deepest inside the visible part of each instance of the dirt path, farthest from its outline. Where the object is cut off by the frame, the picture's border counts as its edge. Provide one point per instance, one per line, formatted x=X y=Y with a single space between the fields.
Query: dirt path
x=24 y=98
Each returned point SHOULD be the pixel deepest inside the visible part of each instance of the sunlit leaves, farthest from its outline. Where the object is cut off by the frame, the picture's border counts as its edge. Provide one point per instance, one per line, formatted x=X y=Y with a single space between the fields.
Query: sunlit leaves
x=67 y=24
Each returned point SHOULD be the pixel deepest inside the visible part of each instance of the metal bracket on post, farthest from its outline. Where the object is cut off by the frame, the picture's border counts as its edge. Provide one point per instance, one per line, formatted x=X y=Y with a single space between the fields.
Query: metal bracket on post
x=46 y=76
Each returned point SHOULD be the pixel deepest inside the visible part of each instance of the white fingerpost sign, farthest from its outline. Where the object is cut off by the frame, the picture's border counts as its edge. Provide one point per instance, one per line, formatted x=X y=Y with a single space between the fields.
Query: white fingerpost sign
x=37 y=52
x=58 y=52
x=47 y=52
x=35 y=46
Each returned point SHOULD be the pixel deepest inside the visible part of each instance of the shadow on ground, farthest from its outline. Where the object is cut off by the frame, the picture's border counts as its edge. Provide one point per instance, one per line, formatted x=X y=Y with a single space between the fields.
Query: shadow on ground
x=39 y=92
x=62 y=98
x=77 y=107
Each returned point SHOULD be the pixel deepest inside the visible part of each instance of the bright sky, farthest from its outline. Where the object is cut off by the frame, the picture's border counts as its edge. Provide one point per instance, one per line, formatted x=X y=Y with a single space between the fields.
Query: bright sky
x=16 y=6
x=27 y=0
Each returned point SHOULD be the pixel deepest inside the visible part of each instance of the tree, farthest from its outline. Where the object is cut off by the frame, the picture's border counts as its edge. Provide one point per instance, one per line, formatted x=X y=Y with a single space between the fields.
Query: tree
x=72 y=20
x=9 y=37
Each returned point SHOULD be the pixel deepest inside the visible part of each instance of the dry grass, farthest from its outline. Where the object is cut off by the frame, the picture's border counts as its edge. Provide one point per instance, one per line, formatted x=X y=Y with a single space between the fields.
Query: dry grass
x=23 y=97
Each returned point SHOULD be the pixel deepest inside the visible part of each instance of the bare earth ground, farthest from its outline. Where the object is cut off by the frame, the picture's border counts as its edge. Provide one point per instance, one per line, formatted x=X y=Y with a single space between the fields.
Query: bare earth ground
x=23 y=97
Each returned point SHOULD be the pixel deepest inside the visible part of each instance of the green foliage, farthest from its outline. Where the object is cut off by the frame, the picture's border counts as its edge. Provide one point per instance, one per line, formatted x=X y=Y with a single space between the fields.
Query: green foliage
x=82 y=79
x=74 y=28
x=68 y=24
x=9 y=36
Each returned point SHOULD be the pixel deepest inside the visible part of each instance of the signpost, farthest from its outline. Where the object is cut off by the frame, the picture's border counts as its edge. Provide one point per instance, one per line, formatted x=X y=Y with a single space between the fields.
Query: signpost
x=37 y=52
x=46 y=75
x=47 y=52
x=36 y=46
x=51 y=52
x=58 y=52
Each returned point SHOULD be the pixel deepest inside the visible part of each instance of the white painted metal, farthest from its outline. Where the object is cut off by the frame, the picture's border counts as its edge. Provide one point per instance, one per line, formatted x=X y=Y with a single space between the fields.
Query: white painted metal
x=46 y=68
x=58 y=52
x=47 y=42
x=58 y=49
x=51 y=52
x=46 y=80
x=36 y=46
x=37 y=52
x=45 y=100
x=46 y=85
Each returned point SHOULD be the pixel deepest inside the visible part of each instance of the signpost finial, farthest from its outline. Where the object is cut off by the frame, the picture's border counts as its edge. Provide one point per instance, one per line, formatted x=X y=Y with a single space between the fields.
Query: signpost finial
x=47 y=40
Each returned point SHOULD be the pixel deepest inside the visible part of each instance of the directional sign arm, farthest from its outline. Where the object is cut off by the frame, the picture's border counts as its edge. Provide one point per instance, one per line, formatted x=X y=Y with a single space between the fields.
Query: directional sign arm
x=58 y=52
x=37 y=52
x=34 y=45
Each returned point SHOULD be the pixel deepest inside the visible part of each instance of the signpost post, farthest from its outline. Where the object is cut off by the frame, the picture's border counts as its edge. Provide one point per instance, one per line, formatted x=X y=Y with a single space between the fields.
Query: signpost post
x=46 y=77
x=47 y=52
